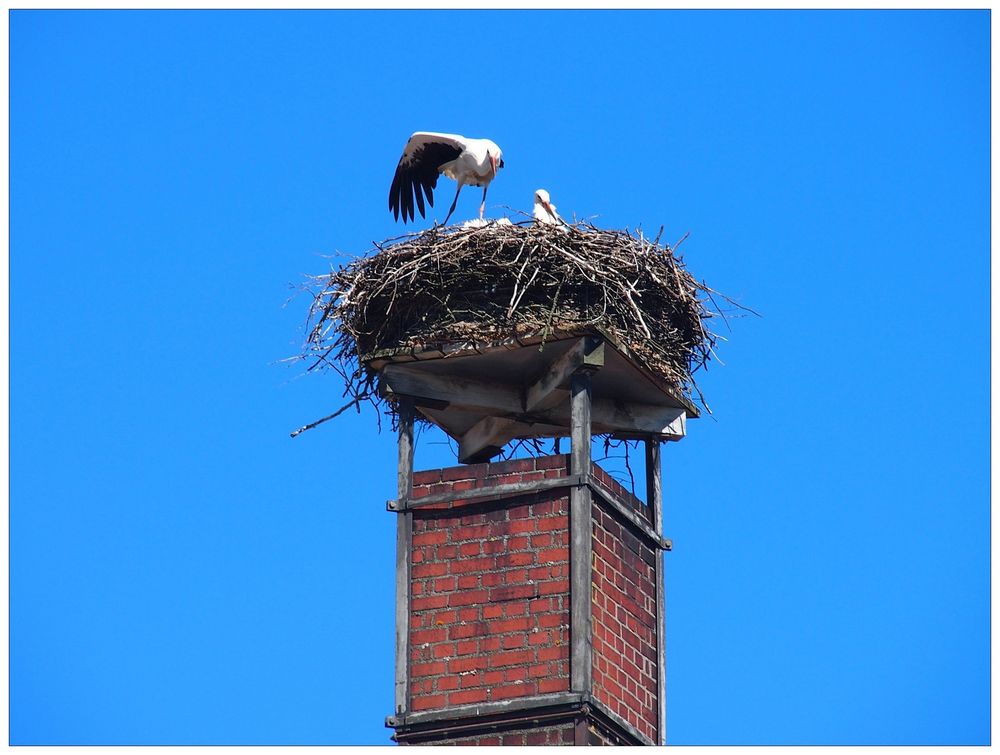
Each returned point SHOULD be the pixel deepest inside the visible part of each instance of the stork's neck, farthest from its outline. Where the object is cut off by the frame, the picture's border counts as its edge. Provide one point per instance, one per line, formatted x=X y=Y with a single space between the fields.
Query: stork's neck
x=542 y=213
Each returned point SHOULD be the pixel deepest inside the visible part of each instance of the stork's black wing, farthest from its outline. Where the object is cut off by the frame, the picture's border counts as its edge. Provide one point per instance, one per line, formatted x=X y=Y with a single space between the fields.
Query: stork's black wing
x=418 y=170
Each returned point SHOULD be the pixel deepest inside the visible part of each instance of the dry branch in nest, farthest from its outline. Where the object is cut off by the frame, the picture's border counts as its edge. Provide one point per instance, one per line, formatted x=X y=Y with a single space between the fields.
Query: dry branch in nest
x=447 y=286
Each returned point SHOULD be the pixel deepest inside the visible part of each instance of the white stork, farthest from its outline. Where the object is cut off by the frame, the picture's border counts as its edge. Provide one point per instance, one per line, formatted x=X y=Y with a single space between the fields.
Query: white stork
x=545 y=211
x=468 y=161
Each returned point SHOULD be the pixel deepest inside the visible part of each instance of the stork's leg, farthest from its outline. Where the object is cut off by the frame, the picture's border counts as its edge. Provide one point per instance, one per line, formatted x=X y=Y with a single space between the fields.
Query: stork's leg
x=482 y=207
x=453 y=203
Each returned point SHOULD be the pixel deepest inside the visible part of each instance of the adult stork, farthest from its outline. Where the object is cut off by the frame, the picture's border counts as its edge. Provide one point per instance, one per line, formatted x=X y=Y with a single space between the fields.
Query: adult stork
x=472 y=162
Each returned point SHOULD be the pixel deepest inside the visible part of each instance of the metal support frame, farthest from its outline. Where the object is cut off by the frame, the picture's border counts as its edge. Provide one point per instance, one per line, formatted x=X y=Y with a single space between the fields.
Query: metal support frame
x=638 y=524
x=580 y=710
x=654 y=497
x=582 y=488
x=580 y=537
x=404 y=538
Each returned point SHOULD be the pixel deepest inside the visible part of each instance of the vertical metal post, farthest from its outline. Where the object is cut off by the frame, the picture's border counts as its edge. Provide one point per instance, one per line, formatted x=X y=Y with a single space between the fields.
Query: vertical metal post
x=581 y=731
x=654 y=497
x=581 y=534
x=404 y=538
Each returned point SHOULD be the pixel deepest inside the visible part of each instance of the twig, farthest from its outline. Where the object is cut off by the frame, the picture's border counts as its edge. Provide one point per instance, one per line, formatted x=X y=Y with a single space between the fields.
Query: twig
x=341 y=410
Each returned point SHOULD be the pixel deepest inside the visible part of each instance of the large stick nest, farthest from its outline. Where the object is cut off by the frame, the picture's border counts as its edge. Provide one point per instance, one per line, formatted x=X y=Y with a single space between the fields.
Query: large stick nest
x=447 y=286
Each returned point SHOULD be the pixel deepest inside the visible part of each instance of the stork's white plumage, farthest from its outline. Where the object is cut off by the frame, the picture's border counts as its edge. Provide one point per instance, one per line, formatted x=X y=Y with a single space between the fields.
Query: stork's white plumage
x=545 y=211
x=472 y=162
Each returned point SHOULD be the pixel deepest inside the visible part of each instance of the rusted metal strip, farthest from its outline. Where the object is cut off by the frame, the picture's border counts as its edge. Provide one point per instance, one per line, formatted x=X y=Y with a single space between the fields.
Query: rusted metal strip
x=490 y=491
x=638 y=525
x=633 y=519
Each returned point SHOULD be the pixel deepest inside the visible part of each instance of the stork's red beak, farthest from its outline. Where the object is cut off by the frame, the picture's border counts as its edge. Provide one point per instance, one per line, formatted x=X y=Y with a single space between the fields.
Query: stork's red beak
x=493 y=164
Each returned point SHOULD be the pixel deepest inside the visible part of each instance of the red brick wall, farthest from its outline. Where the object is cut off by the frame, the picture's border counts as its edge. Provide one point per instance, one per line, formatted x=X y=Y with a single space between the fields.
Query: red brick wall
x=624 y=605
x=490 y=598
x=490 y=588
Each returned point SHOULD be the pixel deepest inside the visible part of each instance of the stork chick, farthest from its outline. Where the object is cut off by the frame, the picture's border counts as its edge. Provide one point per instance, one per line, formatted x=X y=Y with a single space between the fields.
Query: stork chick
x=545 y=211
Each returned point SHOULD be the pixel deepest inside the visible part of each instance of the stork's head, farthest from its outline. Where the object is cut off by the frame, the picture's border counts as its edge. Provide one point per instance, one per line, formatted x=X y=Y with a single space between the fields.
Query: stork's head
x=542 y=198
x=496 y=161
x=545 y=211
x=495 y=155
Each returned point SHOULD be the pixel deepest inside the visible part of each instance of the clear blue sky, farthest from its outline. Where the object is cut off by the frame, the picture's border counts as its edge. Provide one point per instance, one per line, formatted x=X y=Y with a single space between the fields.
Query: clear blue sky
x=181 y=571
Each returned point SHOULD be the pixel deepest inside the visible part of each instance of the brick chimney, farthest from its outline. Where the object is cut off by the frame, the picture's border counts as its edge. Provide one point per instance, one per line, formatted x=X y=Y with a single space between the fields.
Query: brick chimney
x=529 y=593
x=489 y=635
